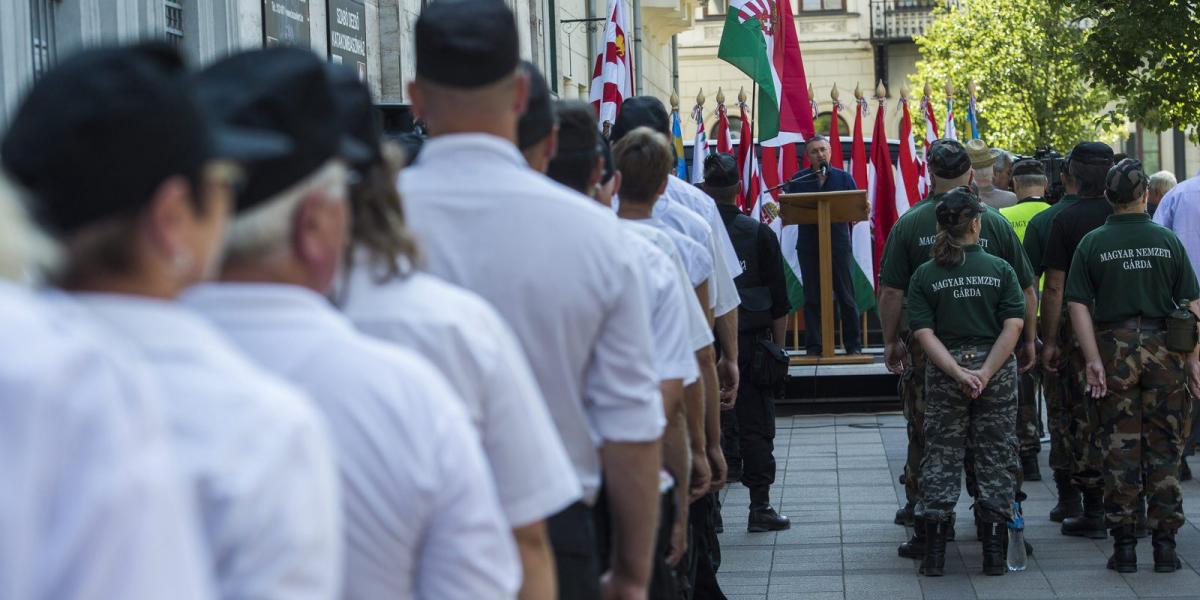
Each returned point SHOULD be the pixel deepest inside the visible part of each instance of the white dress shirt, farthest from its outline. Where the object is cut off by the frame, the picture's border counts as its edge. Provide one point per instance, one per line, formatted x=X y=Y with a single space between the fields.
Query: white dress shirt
x=700 y=335
x=555 y=266
x=1179 y=211
x=462 y=336
x=674 y=357
x=420 y=511
x=682 y=195
x=93 y=507
x=255 y=452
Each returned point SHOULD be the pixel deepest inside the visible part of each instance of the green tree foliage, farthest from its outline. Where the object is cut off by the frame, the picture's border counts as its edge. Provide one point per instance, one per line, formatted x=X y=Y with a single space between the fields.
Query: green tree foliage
x=1023 y=55
x=1147 y=53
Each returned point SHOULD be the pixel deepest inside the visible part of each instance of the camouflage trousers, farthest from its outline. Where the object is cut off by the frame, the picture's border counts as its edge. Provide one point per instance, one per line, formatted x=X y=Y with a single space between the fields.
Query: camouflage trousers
x=1144 y=422
x=912 y=396
x=1028 y=436
x=989 y=422
x=1058 y=421
x=1083 y=422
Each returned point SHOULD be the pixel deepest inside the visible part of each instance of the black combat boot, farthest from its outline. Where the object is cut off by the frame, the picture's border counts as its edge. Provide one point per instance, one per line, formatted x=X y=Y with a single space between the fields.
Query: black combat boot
x=934 y=564
x=1069 y=500
x=1029 y=465
x=904 y=515
x=915 y=547
x=1165 y=559
x=1124 y=558
x=1091 y=523
x=762 y=516
x=994 y=560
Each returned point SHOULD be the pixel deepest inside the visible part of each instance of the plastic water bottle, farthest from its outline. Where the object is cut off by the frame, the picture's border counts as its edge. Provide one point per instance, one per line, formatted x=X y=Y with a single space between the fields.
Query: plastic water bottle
x=1016 y=540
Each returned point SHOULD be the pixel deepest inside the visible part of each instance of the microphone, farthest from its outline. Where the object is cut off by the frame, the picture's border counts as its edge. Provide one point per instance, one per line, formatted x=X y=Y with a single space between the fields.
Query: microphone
x=824 y=169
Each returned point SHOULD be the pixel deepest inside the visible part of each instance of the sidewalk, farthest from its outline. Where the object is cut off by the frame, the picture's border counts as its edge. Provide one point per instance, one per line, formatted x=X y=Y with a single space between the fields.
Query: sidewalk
x=837 y=480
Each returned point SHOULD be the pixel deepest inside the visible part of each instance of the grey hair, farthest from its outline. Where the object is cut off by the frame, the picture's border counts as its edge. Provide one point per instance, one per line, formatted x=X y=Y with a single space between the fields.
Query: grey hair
x=266 y=229
x=26 y=254
x=816 y=138
x=1162 y=182
x=1004 y=160
x=1029 y=180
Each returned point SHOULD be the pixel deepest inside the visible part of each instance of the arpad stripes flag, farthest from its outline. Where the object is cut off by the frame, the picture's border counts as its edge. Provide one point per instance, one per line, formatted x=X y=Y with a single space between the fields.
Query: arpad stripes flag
x=724 y=141
x=751 y=183
x=759 y=39
x=882 y=193
x=908 y=192
x=612 y=77
x=931 y=135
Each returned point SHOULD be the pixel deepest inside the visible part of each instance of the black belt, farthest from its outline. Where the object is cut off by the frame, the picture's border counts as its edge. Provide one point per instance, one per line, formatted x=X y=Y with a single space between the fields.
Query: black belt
x=1136 y=324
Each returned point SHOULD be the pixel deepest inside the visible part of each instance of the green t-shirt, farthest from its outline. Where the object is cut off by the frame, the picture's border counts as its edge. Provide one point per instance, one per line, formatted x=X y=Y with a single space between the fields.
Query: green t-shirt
x=1037 y=233
x=911 y=239
x=965 y=305
x=1131 y=267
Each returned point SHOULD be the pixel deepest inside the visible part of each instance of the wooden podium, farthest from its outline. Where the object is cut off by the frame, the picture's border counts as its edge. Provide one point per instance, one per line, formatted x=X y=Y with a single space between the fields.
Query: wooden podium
x=824 y=209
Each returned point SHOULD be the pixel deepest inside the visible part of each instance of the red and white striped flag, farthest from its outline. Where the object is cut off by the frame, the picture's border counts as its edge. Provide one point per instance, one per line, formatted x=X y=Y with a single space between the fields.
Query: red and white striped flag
x=882 y=191
x=931 y=134
x=908 y=192
x=612 y=77
x=748 y=164
x=724 y=140
x=835 y=137
x=858 y=150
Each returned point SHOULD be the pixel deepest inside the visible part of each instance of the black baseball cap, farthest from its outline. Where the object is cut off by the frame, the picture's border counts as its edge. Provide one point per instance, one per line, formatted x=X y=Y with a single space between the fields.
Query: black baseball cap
x=356 y=114
x=948 y=159
x=1091 y=153
x=1126 y=182
x=641 y=111
x=287 y=91
x=720 y=172
x=98 y=134
x=957 y=204
x=466 y=43
x=539 y=118
x=1029 y=166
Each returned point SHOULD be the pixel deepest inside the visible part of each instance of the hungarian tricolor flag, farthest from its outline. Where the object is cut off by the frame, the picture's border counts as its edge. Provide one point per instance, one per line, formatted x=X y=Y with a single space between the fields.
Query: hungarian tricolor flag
x=862 y=272
x=760 y=40
x=612 y=77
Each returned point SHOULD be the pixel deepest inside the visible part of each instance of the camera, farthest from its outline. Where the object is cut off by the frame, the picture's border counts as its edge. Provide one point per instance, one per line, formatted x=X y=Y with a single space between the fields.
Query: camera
x=1055 y=165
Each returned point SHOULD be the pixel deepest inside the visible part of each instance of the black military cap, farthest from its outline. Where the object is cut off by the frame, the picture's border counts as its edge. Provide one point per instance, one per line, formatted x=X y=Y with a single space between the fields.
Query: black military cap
x=466 y=43
x=1029 y=166
x=641 y=111
x=539 y=117
x=720 y=172
x=356 y=114
x=99 y=133
x=948 y=159
x=1126 y=182
x=287 y=91
x=958 y=204
x=1091 y=153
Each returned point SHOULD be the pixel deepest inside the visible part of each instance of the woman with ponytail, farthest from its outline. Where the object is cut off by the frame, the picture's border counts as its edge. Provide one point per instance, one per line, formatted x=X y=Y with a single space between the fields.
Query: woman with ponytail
x=966 y=309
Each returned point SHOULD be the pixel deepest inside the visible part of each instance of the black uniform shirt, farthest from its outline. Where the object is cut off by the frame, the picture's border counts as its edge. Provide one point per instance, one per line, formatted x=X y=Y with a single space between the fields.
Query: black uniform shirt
x=758 y=251
x=1068 y=230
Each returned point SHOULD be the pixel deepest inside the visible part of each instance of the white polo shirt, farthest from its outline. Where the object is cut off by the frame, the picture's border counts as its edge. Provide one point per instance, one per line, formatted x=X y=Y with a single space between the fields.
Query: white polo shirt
x=93 y=506
x=674 y=209
x=700 y=335
x=702 y=204
x=674 y=358
x=469 y=343
x=254 y=449
x=420 y=511
x=553 y=263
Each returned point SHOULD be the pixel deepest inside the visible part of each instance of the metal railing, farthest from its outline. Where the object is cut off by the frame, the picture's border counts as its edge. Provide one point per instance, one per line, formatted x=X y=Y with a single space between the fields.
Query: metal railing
x=901 y=20
x=41 y=26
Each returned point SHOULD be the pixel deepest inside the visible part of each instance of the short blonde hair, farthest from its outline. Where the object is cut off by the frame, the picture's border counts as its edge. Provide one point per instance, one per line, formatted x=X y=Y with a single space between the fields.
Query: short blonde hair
x=26 y=254
x=266 y=229
x=643 y=156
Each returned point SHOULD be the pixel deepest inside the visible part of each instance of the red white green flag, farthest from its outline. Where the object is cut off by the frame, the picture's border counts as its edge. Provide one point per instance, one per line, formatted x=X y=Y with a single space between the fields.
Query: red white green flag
x=760 y=40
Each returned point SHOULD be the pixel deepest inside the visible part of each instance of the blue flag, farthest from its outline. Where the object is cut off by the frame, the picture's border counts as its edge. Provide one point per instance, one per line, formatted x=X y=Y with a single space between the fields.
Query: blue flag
x=972 y=119
x=677 y=146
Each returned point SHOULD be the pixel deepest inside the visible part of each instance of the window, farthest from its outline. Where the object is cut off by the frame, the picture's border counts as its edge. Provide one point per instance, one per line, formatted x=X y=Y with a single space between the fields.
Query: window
x=810 y=6
x=41 y=25
x=1150 y=153
x=174 y=22
x=715 y=9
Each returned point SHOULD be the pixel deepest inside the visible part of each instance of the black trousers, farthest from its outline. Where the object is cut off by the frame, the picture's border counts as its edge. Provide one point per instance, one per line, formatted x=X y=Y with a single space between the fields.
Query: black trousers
x=573 y=539
x=663 y=585
x=704 y=551
x=748 y=431
x=843 y=289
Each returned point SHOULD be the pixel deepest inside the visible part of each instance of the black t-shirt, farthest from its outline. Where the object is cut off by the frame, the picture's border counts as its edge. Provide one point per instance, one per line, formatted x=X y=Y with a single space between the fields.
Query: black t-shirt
x=1068 y=230
x=758 y=251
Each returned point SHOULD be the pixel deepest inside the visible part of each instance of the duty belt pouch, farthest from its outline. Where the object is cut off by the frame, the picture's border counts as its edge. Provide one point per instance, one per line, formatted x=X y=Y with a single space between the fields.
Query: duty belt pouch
x=770 y=364
x=754 y=314
x=1181 y=330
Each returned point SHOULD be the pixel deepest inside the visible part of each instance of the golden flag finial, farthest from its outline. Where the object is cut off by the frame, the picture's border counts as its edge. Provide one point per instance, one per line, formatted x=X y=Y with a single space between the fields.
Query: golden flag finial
x=674 y=101
x=720 y=96
x=742 y=95
x=858 y=91
x=949 y=89
x=880 y=90
x=904 y=90
x=700 y=97
x=971 y=88
x=834 y=93
x=928 y=90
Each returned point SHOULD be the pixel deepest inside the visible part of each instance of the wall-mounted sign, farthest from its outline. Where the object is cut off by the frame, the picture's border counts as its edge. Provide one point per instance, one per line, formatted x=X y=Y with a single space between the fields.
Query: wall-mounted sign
x=348 y=35
x=285 y=22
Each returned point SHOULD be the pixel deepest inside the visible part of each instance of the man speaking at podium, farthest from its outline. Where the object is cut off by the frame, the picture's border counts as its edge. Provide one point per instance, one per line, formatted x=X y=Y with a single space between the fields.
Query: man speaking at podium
x=822 y=177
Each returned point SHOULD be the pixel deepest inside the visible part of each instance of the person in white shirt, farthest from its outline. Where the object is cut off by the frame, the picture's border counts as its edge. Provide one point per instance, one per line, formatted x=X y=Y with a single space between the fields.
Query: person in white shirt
x=94 y=507
x=420 y=512
x=554 y=265
x=461 y=334
x=254 y=451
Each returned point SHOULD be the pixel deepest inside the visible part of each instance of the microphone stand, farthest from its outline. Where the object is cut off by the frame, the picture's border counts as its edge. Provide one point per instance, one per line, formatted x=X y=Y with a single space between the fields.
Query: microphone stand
x=815 y=173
